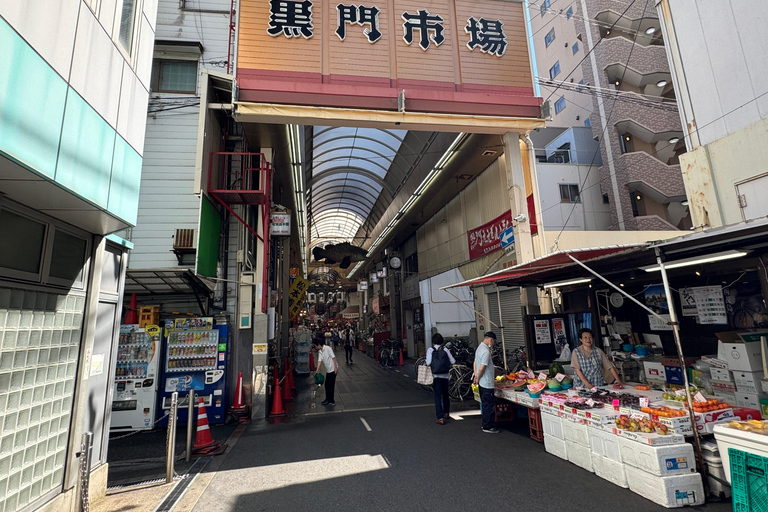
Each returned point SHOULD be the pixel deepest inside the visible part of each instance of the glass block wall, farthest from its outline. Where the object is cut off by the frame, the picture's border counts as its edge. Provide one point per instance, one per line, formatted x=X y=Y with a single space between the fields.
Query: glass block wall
x=39 y=345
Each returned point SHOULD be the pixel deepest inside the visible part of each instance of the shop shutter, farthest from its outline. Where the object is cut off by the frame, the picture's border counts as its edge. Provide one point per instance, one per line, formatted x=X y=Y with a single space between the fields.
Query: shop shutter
x=40 y=332
x=512 y=311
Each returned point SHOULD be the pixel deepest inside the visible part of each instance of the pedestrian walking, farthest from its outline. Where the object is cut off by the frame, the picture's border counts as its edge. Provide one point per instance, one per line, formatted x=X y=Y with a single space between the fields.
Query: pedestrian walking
x=348 y=345
x=484 y=378
x=327 y=358
x=335 y=338
x=440 y=359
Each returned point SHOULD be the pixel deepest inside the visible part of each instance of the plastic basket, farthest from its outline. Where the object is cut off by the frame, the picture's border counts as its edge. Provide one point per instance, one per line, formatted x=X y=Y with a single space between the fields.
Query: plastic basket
x=749 y=481
x=535 y=428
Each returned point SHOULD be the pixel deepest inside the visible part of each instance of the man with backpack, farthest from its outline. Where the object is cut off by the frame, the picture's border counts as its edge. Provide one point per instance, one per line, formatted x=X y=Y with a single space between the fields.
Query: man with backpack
x=440 y=359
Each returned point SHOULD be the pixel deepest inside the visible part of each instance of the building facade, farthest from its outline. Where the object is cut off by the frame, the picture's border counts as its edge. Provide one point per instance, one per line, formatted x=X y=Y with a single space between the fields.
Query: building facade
x=74 y=84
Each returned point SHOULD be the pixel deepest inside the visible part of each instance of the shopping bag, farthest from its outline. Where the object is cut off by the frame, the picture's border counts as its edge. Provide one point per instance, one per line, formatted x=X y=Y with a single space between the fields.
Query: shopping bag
x=424 y=376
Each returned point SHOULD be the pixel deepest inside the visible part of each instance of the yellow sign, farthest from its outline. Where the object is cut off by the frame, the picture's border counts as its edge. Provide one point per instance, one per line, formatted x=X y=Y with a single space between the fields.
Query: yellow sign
x=152 y=330
x=259 y=348
x=296 y=295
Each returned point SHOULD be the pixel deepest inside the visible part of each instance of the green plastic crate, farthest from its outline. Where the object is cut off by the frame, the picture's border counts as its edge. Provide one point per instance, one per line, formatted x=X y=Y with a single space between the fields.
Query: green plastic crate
x=749 y=481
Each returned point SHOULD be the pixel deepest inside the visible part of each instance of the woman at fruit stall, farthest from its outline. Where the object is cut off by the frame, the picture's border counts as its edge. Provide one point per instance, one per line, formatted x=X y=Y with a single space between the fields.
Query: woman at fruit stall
x=589 y=362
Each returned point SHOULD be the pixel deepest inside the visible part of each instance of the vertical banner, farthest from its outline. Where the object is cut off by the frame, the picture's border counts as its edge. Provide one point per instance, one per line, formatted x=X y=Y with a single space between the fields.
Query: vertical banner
x=296 y=295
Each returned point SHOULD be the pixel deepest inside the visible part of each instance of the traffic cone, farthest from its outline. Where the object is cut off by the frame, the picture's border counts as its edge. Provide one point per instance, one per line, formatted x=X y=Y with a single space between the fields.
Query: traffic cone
x=204 y=443
x=401 y=357
x=291 y=384
x=287 y=396
x=132 y=317
x=277 y=402
x=239 y=410
x=311 y=360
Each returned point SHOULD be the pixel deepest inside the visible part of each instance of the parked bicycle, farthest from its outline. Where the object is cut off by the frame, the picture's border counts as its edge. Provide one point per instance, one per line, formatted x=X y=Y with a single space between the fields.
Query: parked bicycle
x=390 y=353
x=460 y=381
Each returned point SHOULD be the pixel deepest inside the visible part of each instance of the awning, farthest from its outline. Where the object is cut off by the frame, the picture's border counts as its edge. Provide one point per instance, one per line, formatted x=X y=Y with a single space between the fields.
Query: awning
x=350 y=312
x=164 y=281
x=543 y=266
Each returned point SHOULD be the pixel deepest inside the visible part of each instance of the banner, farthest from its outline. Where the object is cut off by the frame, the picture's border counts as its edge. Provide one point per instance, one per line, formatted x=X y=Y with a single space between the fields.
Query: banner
x=485 y=239
x=296 y=295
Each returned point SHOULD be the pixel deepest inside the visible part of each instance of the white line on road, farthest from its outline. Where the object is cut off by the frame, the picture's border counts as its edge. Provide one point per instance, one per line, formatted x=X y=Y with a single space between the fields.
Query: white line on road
x=366 y=425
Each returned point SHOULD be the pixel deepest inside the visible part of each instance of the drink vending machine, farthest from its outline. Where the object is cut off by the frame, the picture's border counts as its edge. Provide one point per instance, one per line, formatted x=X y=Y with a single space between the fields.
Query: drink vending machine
x=136 y=371
x=195 y=358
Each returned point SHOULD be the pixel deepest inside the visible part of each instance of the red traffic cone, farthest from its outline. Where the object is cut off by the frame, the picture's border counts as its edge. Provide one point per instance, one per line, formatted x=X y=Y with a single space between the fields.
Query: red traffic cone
x=290 y=383
x=401 y=357
x=132 y=317
x=287 y=396
x=204 y=443
x=238 y=402
x=311 y=361
x=277 y=402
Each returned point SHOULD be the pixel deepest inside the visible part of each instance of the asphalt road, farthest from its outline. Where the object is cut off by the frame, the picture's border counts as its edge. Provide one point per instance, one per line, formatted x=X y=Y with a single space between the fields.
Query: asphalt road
x=397 y=458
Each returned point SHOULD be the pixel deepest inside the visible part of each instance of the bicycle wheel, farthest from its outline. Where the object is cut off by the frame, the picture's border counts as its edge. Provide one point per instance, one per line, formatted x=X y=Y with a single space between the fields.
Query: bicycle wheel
x=384 y=357
x=455 y=379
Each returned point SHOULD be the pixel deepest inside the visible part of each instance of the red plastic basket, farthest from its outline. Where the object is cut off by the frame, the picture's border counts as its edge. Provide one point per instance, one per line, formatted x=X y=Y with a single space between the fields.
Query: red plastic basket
x=534 y=425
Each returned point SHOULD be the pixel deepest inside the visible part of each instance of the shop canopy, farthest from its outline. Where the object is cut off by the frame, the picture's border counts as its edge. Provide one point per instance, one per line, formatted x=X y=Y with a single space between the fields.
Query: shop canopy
x=350 y=312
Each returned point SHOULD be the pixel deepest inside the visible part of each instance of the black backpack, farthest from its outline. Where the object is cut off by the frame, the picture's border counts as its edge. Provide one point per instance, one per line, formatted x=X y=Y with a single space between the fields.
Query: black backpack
x=440 y=361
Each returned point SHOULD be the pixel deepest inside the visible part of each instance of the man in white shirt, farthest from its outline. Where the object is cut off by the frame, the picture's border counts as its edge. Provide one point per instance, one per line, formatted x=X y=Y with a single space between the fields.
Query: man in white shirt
x=484 y=378
x=326 y=357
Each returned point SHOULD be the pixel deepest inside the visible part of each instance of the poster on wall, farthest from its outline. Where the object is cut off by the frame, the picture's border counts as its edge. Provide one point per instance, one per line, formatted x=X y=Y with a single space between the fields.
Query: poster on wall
x=541 y=328
x=558 y=329
x=688 y=302
x=485 y=239
x=656 y=299
x=710 y=304
x=745 y=306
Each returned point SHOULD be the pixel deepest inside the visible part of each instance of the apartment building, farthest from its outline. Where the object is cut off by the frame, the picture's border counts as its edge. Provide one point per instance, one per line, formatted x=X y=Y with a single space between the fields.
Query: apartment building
x=602 y=64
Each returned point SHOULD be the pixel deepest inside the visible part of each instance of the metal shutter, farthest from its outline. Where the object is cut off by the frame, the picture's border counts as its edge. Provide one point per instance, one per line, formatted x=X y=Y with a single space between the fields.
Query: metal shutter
x=512 y=311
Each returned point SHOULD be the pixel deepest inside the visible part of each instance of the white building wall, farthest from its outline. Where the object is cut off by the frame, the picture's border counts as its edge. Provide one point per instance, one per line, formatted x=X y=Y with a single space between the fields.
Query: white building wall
x=443 y=312
x=588 y=215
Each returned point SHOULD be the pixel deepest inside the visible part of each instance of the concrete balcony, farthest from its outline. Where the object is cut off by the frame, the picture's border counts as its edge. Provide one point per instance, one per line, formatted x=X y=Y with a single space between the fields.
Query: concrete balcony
x=653 y=223
x=655 y=178
x=645 y=120
x=645 y=60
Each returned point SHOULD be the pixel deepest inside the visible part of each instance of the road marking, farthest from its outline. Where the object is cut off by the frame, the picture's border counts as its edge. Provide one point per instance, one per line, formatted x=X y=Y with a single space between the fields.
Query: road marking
x=460 y=415
x=366 y=425
x=405 y=375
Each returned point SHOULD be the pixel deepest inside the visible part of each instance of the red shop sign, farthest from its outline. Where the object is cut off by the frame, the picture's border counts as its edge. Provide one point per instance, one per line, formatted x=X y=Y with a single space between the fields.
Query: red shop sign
x=485 y=239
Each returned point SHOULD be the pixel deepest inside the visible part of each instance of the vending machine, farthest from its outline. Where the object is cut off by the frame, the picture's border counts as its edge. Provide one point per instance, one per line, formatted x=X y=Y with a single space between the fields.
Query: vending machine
x=195 y=359
x=136 y=372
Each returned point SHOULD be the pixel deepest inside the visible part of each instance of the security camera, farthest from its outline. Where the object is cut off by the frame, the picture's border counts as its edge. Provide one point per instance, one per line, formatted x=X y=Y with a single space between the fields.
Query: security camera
x=521 y=218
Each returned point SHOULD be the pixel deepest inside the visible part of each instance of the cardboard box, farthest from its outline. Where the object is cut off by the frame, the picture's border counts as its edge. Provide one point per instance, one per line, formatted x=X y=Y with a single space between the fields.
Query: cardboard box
x=745 y=414
x=675 y=361
x=743 y=356
x=674 y=374
x=722 y=387
x=654 y=371
x=720 y=374
x=749 y=400
x=748 y=382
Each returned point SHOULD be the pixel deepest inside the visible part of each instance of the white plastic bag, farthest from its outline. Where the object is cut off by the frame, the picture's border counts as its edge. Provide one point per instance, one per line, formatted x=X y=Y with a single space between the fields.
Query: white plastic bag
x=565 y=355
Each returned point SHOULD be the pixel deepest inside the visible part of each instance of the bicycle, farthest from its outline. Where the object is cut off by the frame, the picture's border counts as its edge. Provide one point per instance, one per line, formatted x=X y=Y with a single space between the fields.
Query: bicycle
x=518 y=360
x=389 y=355
x=460 y=381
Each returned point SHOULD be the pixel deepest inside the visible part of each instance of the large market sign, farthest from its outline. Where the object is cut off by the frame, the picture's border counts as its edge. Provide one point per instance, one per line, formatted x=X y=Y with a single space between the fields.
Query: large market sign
x=440 y=56
x=485 y=239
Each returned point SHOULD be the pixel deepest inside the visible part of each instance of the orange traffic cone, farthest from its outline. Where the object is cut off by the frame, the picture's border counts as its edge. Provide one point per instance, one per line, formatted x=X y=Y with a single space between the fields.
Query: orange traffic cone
x=311 y=361
x=204 y=443
x=290 y=383
x=238 y=402
x=277 y=402
x=401 y=357
x=132 y=316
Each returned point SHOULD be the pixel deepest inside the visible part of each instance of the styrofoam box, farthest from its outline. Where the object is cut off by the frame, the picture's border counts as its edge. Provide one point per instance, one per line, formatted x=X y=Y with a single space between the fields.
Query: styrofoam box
x=576 y=433
x=555 y=446
x=552 y=426
x=748 y=382
x=658 y=460
x=744 y=357
x=727 y=437
x=720 y=374
x=750 y=400
x=610 y=470
x=668 y=491
x=654 y=370
x=605 y=444
x=581 y=456
x=650 y=439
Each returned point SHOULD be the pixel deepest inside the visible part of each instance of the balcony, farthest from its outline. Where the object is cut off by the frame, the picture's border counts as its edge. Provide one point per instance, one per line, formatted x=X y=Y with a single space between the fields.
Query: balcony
x=647 y=65
x=648 y=119
x=661 y=181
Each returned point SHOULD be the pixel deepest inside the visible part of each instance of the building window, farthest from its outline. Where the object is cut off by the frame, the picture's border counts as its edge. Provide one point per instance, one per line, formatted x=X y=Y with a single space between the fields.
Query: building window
x=587 y=123
x=559 y=105
x=575 y=47
x=127 y=24
x=569 y=13
x=606 y=199
x=554 y=70
x=544 y=7
x=569 y=194
x=174 y=76
x=549 y=37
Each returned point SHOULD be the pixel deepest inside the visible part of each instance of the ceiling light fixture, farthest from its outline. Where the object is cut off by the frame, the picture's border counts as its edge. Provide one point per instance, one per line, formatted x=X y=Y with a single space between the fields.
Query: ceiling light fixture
x=720 y=256
x=566 y=283
x=674 y=140
x=650 y=30
x=661 y=83
x=300 y=201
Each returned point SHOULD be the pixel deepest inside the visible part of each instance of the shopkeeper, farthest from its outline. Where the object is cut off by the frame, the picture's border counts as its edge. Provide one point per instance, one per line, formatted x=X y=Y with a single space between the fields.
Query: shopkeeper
x=589 y=362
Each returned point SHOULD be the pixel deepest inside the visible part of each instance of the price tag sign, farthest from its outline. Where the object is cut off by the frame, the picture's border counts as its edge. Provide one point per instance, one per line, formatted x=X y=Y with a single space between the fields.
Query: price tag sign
x=615 y=402
x=559 y=377
x=638 y=416
x=542 y=376
x=698 y=397
x=645 y=401
x=680 y=392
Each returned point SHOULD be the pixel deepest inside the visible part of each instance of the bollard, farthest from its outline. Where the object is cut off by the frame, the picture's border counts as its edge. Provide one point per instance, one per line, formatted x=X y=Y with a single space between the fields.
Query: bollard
x=86 y=445
x=190 y=423
x=171 y=439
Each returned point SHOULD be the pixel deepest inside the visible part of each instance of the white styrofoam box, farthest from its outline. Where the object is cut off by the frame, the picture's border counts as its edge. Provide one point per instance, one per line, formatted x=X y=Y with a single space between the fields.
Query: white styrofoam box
x=555 y=446
x=654 y=371
x=750 y=400
x=668 y=491
x=650 y=439
x=744 y=356
x=580 y=455
x=720 y=374
x=727 y=437
x=576 y=433
x=610 y=470
x=748 y=382
x=726 y=387
x=552 y=426
x=658 y=460
x=605 y=444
